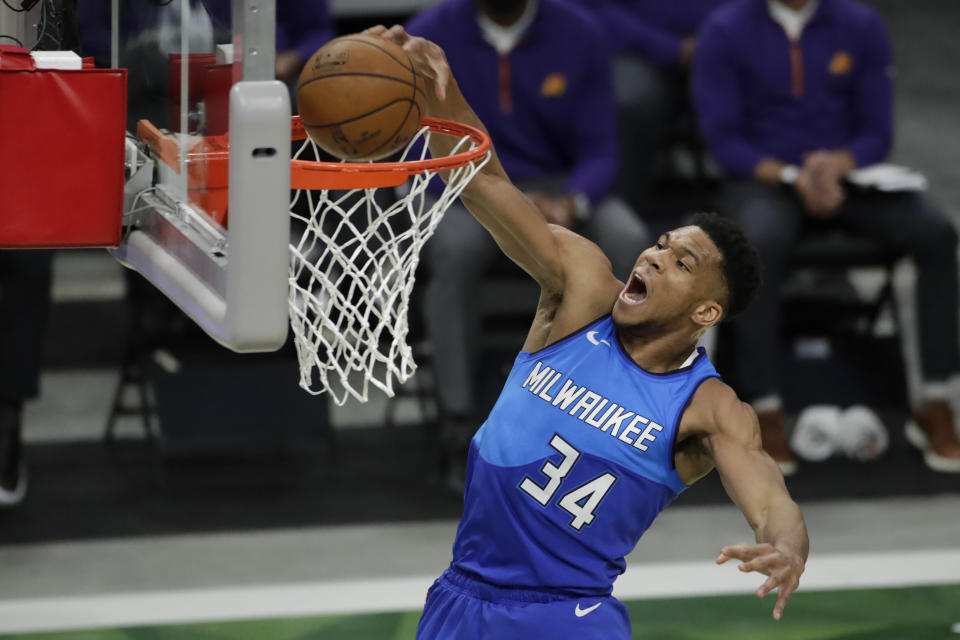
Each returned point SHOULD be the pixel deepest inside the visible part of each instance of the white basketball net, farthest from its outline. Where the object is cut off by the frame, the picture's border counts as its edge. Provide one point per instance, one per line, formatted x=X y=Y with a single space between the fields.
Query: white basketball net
x=351 y=274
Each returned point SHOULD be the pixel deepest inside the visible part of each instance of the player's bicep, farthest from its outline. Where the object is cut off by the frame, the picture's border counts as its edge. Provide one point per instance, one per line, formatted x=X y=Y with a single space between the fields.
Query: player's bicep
x=518 y=228
x=750 y=477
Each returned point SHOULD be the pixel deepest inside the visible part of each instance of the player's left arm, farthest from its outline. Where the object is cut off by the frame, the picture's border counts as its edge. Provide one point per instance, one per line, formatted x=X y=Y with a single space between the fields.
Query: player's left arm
x=754 y=482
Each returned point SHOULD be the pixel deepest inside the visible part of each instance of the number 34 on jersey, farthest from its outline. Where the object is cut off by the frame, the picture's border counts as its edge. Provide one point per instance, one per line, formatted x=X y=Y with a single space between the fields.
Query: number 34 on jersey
x=579 y=502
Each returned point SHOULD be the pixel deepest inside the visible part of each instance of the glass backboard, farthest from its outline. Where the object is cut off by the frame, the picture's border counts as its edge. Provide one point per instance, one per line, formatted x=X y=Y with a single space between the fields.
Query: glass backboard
x=208 y=188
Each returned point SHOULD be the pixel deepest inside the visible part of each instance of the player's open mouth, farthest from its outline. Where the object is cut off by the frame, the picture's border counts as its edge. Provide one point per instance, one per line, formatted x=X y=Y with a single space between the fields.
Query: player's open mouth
x=636 y=290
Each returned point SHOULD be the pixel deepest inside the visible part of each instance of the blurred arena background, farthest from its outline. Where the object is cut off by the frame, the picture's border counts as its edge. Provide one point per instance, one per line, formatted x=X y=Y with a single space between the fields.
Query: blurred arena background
x=223 y=502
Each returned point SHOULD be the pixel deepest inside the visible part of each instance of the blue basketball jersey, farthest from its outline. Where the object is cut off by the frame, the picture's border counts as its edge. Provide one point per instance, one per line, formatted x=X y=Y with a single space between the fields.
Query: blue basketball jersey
x=572 y=465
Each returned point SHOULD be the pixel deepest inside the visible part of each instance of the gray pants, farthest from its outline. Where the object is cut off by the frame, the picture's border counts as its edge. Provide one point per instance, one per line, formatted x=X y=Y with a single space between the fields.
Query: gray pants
x=650 y=101
x=25 y=277
x=459 y=256
x=773 y=218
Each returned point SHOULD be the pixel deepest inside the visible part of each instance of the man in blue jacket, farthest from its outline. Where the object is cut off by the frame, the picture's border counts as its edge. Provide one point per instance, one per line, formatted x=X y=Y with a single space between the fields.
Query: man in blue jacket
x=538 y=74
x=792 y=95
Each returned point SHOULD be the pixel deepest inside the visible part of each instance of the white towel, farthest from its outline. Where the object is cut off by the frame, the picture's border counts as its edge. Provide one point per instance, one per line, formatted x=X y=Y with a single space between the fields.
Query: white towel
x=813 y=435
x=888 y=177
x=861 y=435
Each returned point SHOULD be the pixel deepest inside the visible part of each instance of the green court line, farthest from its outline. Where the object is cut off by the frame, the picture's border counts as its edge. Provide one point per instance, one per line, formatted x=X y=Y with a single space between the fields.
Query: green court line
x=916 y=613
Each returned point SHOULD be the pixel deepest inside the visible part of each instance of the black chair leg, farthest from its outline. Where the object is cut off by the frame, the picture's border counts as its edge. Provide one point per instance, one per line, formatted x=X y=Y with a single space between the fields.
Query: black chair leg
x=131 y=375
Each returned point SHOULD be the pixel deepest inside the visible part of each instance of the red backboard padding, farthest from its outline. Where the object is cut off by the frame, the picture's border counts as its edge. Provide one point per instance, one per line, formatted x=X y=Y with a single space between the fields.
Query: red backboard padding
x=196 y=63
x=61 y=154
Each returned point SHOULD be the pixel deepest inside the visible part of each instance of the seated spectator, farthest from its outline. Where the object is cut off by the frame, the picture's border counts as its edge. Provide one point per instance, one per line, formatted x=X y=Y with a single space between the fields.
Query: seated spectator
x=24 y=307
x=653 y=44
x=538 y=74
x=791 y=96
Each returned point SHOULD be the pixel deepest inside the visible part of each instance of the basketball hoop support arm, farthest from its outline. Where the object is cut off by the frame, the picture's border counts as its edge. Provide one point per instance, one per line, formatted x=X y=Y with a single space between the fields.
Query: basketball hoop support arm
x=241 y=301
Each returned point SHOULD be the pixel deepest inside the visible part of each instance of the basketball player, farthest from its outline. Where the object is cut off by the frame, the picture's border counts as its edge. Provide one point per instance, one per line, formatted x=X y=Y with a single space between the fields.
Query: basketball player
x=609 y=412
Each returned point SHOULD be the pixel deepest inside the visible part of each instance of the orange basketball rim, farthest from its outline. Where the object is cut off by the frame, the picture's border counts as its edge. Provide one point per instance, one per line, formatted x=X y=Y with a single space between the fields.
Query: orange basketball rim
x=210 y=157
x=306 y=174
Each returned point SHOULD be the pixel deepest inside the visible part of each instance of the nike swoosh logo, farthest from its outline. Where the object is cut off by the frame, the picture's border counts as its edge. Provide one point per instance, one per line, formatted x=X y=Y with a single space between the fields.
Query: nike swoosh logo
x=582 y=612
x=592 y=337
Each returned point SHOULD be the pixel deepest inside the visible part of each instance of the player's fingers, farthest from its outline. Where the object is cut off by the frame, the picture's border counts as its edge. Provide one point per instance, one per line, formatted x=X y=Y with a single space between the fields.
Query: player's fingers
x=733 y=550
x=416 y=47
x=388 y=34
x=398 y=34
x=427 y=56
x=374 y=31
x=744 y=550
x=726 y=553
x=769 y=585
x=783 y=594
x=441 y=70
x=419 y=60
x=432 y=62
x=761 y=563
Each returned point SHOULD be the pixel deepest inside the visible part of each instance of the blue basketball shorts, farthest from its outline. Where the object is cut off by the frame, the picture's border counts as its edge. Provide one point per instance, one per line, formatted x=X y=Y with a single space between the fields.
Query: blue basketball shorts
x=460 y=607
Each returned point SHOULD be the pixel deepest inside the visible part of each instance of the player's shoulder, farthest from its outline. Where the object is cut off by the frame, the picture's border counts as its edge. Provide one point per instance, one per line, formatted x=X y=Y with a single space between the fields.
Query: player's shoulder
x=715 y=408
x=712 y=396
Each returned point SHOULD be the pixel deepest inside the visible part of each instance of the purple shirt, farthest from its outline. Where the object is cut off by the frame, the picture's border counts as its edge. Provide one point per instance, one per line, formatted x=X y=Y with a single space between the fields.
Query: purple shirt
x=654 y=29
x=758 y=95
x=548 y=104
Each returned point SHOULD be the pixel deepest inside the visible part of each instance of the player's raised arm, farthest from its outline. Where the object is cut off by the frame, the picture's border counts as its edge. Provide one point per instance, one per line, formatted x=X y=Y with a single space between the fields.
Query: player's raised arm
x=510 y=217
x=754 y=482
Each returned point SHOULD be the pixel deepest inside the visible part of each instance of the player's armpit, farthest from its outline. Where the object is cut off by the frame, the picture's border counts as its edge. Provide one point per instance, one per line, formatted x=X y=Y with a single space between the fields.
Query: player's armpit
x=589 y=291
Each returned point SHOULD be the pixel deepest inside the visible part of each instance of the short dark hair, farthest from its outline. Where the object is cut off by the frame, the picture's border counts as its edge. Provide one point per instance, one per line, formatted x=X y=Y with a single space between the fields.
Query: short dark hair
x=741 y=263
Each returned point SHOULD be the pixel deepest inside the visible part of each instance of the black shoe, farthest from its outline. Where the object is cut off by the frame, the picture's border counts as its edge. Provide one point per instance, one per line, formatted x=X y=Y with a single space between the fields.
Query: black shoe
x=13 y=473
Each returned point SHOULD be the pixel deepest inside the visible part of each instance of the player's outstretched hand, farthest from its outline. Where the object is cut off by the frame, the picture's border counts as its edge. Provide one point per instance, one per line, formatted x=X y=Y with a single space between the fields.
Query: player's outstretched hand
x=784 y=569
x=429 y=58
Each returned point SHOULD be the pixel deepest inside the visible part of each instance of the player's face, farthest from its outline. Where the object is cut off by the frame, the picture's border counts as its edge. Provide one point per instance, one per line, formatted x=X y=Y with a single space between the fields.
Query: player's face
x=670 y=280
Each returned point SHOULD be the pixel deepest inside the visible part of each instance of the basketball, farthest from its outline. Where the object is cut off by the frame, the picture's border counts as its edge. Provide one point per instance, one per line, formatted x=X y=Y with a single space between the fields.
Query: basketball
x=360 y=98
